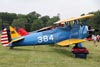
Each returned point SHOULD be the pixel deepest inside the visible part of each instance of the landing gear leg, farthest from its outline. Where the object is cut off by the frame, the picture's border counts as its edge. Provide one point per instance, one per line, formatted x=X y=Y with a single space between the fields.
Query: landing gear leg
x=11 y=46
x=79 y=51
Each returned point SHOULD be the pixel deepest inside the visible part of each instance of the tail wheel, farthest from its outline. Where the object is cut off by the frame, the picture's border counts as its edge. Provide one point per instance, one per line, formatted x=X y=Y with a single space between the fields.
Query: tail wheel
x=11 y=47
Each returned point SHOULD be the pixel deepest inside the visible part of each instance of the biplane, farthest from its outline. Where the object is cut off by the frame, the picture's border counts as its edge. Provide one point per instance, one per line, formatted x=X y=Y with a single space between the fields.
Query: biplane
x=64 y=32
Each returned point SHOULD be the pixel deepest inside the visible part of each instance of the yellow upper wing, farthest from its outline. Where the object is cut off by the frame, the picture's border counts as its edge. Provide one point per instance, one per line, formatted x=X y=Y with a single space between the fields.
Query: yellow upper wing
x=70 y=41
x=75 y=18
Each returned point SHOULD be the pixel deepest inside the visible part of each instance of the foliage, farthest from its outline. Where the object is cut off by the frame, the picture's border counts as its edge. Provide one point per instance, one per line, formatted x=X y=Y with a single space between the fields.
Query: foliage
x=45 y=20
x=95 y=21
x=30 y=22
x=6 y=19
x=20 y=22
x=52 y=20
x=37 y=24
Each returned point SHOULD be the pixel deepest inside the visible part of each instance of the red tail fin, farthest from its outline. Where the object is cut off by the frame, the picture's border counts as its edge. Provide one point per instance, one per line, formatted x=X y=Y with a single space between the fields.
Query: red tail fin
x=22 y=32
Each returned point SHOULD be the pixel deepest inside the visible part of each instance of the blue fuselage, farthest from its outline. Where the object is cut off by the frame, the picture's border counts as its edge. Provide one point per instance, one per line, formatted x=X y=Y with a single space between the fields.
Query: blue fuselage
x=54 y=35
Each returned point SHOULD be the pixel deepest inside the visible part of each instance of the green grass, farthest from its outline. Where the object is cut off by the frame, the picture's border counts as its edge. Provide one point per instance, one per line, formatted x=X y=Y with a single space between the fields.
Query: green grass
x=48 y=56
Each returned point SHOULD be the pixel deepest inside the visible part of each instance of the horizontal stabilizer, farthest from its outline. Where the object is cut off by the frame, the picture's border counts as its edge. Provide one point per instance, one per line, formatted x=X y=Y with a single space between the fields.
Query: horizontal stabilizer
x=17 y=39
x=70 y=41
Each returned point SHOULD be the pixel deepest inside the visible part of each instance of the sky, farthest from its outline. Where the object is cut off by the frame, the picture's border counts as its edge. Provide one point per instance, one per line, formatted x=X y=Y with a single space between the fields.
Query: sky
x=65 y=8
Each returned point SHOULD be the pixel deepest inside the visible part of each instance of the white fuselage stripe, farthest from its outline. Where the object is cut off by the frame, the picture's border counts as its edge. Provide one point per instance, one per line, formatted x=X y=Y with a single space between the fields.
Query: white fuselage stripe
x=4 y=32
x=4 y=39
x=4 y=42
x=3 y=35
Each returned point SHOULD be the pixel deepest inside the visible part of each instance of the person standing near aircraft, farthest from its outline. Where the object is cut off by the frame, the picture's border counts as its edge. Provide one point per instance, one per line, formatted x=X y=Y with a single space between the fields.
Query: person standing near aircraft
x=94 y=39
x=98 y=38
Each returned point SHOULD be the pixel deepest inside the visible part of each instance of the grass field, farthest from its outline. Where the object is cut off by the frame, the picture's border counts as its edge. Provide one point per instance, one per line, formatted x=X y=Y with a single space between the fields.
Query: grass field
x=48 y=56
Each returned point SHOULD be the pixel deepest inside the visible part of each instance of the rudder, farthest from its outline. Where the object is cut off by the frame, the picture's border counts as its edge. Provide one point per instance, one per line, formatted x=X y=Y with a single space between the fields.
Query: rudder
x=8 y=34
x=4 y=37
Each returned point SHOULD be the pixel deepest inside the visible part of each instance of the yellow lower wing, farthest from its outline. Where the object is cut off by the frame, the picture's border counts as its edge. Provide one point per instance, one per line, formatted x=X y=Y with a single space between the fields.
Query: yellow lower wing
x=70 y=41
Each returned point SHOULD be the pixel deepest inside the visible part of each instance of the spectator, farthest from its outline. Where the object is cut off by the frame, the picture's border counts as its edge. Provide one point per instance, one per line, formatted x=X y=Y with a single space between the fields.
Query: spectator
x=94 y=39
x=98 y=38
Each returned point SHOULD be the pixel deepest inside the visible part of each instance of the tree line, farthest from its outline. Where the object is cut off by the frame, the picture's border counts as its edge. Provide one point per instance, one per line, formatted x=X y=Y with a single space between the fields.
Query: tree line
x=30 y=22
x=34 y=21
